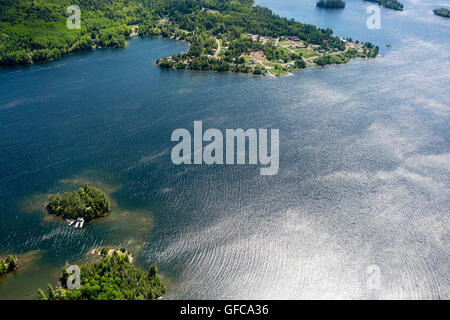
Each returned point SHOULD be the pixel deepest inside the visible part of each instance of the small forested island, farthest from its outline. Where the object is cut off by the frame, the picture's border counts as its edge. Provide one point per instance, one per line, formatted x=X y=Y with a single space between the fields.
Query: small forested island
x=333 y=4
x=391 y=4
x=224 y=35
x=8 y=265
x=442 y=12
x=87 y=203
x=112 y=278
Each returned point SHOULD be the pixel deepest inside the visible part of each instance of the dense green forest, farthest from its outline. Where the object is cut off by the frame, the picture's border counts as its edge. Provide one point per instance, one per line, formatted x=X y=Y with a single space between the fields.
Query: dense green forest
x=112 y=278
x=391 y=4
x=35 y=30
x=442 y=12
x=88 y=202
x=8 y=265
x=334 y=4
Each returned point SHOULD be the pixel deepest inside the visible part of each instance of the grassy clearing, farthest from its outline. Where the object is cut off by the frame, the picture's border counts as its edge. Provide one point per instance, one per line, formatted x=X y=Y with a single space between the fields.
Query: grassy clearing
x=307 y=53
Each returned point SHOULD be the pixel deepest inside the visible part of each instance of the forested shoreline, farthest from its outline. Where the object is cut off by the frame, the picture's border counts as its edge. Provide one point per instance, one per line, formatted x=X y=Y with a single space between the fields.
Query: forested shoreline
x=113 y=277
x=390 y=4
x=35 y=31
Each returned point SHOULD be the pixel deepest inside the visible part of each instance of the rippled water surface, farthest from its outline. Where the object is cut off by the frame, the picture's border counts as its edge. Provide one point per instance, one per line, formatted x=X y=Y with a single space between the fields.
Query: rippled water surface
x=364 y=174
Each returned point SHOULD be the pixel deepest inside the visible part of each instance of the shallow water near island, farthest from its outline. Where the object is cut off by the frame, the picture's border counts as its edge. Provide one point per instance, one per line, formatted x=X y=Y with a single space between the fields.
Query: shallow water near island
x=364 y=165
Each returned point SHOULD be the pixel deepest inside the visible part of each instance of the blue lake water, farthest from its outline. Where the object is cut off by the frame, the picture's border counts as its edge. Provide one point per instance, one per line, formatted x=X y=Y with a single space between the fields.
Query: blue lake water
x=364 y=174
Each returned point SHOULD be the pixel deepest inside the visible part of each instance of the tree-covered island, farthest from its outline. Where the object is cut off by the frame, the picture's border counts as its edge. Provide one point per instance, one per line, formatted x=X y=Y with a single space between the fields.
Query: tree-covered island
x=331 y=4
x=391 y=4
x=87 y=203
x=112 y=278
x=442 y=12
x=224 y=35
x=8 y=265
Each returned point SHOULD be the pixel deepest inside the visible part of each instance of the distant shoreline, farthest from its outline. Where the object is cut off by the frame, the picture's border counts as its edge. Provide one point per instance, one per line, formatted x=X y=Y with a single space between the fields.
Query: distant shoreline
x=154 y=22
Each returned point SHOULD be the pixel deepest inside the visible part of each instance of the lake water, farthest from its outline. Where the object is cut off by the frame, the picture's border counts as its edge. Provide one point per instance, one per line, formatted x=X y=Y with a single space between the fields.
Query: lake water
x=362 y=194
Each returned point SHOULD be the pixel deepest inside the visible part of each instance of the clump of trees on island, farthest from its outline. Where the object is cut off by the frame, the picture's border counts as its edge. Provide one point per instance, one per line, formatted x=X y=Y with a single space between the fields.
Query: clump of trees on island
x=88 y=203
x=112 y=278
x=8 y=265
x=442 y=12
x=391 y=4
x=333 y=4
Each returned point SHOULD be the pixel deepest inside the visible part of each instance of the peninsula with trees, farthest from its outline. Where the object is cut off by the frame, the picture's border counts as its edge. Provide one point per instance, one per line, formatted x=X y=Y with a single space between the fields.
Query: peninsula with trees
x=224 y=35
x=390 y=4
x=8 y=265
x=113 y=277
x=265 y=55
x=442 y=12
x=331 y=4
x=244 y=38
x=87 y=203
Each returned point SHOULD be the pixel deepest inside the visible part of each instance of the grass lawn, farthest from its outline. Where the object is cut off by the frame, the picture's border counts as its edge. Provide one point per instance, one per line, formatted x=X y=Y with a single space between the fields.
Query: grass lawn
x=278 y=71
x=307 y=53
